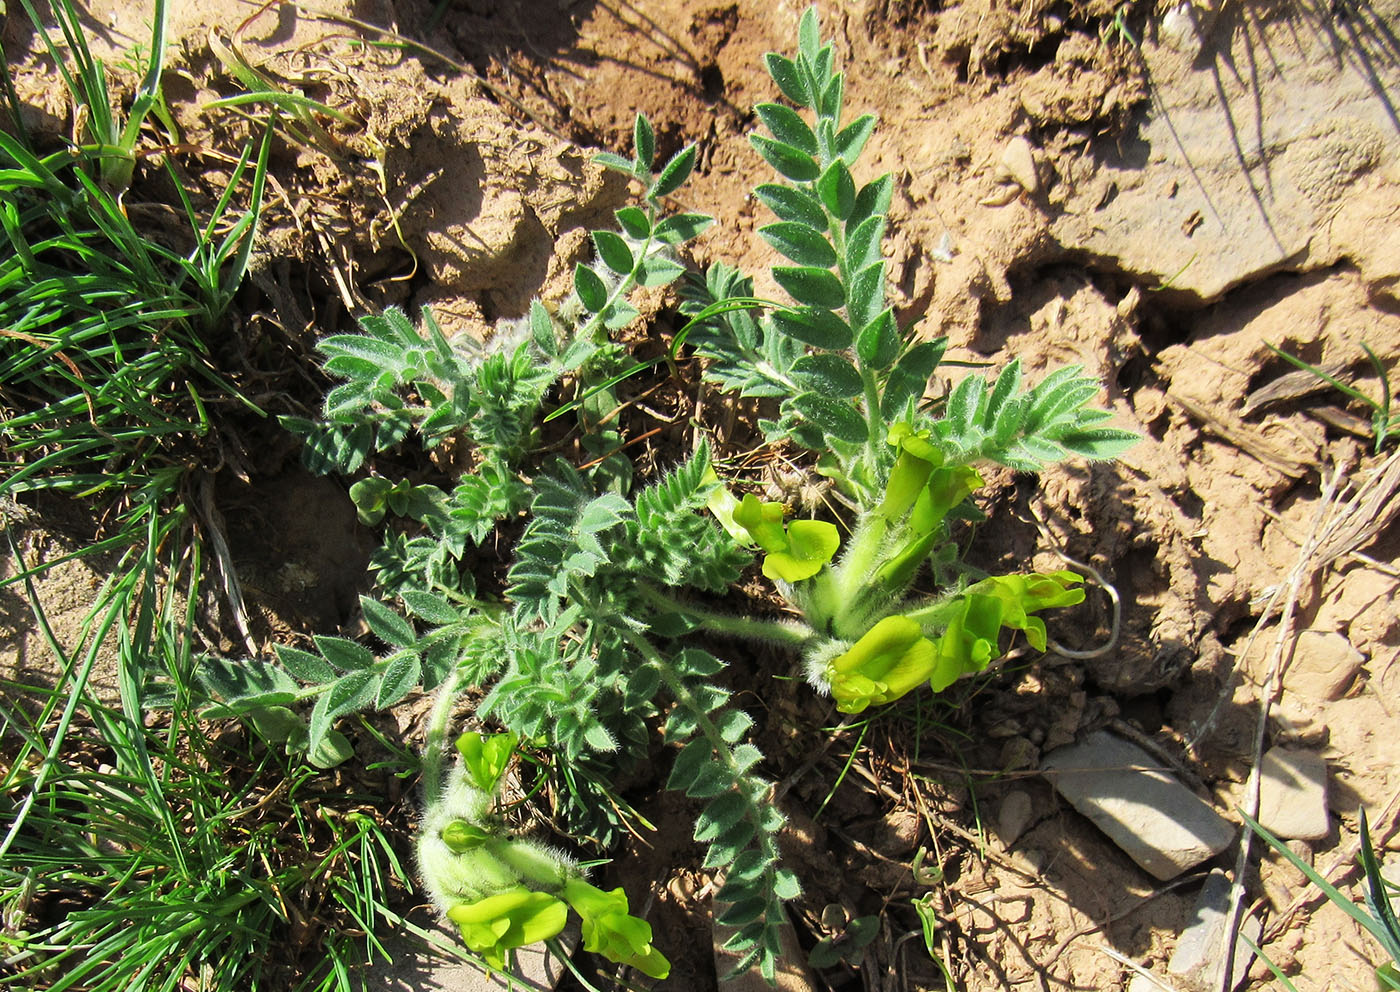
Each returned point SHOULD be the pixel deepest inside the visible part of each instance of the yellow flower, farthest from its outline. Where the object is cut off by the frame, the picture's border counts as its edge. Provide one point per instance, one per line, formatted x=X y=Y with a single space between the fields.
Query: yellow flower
x=795 y=552
x=507 y=920
x=609 y=930
x=891 y=658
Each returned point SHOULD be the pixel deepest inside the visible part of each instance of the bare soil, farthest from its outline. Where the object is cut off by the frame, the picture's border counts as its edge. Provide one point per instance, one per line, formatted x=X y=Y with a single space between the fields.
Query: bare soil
x=1204 y=183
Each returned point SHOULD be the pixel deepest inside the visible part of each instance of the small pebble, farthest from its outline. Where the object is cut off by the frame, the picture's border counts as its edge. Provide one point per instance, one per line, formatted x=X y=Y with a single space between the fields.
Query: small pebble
x=1013 y=816
x=1323 y=666
x=1018 y=159
x=1293 y=794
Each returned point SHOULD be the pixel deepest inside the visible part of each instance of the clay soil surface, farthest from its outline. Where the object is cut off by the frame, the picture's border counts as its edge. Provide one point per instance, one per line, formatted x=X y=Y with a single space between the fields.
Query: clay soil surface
x=1156 y=195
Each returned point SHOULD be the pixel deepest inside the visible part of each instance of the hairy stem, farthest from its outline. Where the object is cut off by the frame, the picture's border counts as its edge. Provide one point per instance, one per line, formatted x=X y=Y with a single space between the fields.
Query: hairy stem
x=529 y=863
x=937 y=613
x=787 y=632
x=435 y=740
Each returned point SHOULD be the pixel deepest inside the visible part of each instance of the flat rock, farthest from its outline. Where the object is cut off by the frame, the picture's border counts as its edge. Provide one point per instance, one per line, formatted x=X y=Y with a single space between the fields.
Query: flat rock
x=417 y=967
x=1234 y=174
x=1323 y=666
x=1293 y=794
x=1198 y=960
x=1156 y=820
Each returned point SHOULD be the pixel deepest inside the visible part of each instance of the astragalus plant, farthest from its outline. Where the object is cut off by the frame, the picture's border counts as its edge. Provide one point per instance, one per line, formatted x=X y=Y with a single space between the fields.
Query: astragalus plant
x=613 y=610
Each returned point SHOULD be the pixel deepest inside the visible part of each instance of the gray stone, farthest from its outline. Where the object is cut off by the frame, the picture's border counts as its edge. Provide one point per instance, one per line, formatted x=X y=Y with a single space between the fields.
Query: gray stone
x=1155 y=819
x=1323 y=666
x=1293 y=794
x=1231 y=175
x=1146 y=983
x=1013 y=816
x=1199 y=956
x=417 y=967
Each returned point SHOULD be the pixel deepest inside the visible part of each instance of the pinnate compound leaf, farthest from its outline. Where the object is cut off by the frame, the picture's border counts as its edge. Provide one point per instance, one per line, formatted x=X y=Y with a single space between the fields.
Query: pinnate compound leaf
x=811 y=286
x=333 y=447
x=601 y=514
x=788 y=127
x=800 y=243
x=791 y=204
x=674 y=175
x=789 y=162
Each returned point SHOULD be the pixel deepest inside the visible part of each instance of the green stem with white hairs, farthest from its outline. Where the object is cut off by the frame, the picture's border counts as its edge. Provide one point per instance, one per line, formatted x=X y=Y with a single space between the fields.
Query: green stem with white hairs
x=435 y=740
x=787 y=632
